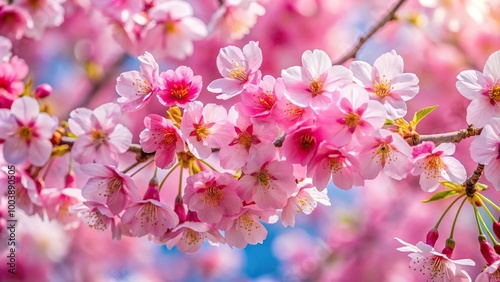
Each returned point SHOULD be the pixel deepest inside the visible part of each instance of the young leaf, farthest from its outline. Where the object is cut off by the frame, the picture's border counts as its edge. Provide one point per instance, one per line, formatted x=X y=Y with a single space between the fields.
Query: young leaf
x=440 y=195
x=421 y=114
x=389 y=122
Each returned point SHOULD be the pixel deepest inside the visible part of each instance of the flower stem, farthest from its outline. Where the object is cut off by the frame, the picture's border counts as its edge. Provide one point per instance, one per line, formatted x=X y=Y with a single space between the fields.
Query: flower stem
x=131 y=167
x=180 y=184
x=476 y=215
x=446 y=211
x=489 y=201
x=488 y=211
x=492 y=238
x=141 y=168
x=456 y=217
x=207 y=164
x=168 y=174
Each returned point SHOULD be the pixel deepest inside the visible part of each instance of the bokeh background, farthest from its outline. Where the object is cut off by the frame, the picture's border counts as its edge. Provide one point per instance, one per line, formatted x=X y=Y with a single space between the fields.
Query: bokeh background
x=352 y=240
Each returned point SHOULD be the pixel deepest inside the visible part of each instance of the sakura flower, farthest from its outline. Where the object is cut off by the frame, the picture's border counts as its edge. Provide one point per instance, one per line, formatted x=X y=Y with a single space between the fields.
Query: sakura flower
x=246 y=228
x=305 y=200
x=336 y=163
x=235 y=18
x=149 y=216
x=109 y=186
x=490 y=274
x=5 y=47
x=95 y=215
x=205 y=127
x=11 y=85
x=45 y=14
x=179 y=87
x=385 y=151
x=136 y=88
x=355 y=116
x=312 y=84
x=435 y=265
x=300 y=146
x=483 y=89
x=100 y=137
x=238 y=67
x=161 y=136
x=58 y=202
x=26 y=132
x=386 y=82
x=246 y=135
x=190 y=235
x=259 y=100
x=267 y=181
x=121 y=10
x=14 y=21
x=432 y=163
x=26 y=190
x=485 y=149
x=290 y=116
x=173 y=29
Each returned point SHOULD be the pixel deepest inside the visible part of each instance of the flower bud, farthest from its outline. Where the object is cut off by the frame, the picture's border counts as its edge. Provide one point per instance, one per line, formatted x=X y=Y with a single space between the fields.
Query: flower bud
x=496 y=229
x=487 y=250
x=152 y=191
x=432 y=237
x=179 y=209
x=448 y=249
x=43 y=90
x=70 y=180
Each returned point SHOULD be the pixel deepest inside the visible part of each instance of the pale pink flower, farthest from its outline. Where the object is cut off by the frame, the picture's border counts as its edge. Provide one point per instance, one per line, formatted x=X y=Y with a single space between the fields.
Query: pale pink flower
x=190 y=235
x=437 y=266
x=290 y=116
x=26 y=132
x=14 y=21
x=27 y=193
x=490 y=274
x=5 y=47
x=267 y=181
x=57 y=203
x=44 y=13
x=121 y=10
x=313 y=84
x=355 y=116
x=136 y=88
x=336 y=163
x=101 y=138
x=205 y=127
x=485 y=149
x=94 y=214
x=301 y=145
x=164 y=138
x=212 y=195
x=259 y=100
x=11 y=85
x=386 y=82
x=305 y=200
x=484 y=91
x=246 y=134
x=149 y=216
x=238 y=67
x=173 y=29
x=109 y=186
x=246 y=227
x=385 y=151
x=234 y=19
x=435 y=163
x=179 y=87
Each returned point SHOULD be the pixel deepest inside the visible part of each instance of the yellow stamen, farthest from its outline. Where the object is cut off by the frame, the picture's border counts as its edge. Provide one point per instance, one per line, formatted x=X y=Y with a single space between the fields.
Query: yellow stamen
x=306 y=141
x=381 y=89
x=25 y=132
x=179 y=91
x=316 y=88
x=352 y=120
x=213 y=196
x=494 y=93
x=238 y=72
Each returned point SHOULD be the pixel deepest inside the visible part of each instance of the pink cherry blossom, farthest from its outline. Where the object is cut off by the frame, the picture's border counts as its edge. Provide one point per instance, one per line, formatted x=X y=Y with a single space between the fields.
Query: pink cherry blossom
x=246 y=135
x=44 y=13
x=437 y=163
x=238 y=67
x=385 y=151
x=26 y=132
x=11 y=85
x=301 y=145
x=14 y=21
x=173 y=29
x=205 y=127
x=234 y=18
x=386 y=82
x=259 y=100
x=5 y=47
x=267 y=181
x=121 y=10
x=94 y=214
x=212 y=195
x=161 y=136
x=136 y=88
x=101 y=138
x=485 y=149
x=435 y=265
x=149 y=216
x=336 y=163
x=190 y=235
x=57 y=203
x=27 y=191
x=312 y=84
x=305 y=200
x=290 y=116
x=109 y=186
x=490 y=274
x=354 y=116
x=179 y=87
x=483 y=89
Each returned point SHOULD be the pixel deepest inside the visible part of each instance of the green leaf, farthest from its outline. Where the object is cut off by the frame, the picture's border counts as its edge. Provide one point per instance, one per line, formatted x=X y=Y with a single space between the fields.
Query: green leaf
x=389 y=122
x=421 y=114
x=440 y=195
x=481 y=186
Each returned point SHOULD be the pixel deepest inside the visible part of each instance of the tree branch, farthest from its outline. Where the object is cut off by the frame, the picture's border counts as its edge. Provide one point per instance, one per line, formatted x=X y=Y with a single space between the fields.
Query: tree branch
x=454 y=137
x=470 y=183
x=390 y=16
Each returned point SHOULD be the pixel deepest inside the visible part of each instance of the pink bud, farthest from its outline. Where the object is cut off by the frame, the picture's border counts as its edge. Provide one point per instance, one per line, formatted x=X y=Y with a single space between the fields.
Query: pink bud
x=152 y=191
x=432 y=237
x=496 y=229
x=179 y=209
x=448 y=249
x=487 y=251
x=43 y=90
x=192 y=216
x=70 y=180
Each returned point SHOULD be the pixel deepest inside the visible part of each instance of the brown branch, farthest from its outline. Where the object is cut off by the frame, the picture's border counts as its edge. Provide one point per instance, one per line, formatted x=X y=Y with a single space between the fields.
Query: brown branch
x=470 y=183
x=454 y=137
x=390 y=16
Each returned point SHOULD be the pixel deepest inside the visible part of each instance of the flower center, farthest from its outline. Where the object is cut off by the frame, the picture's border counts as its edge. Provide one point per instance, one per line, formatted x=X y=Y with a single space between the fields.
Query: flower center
x=267 y=101
x=316 y=88
x=201 y=132
x=306 y=141
x=494 y=93
x=179 y=91
x=25 y=133
x=381 y=89
x=245 y=139
x=149 y=214
x=169 y=138
x=384 y=152
x=352 y=120
x=335 y=165
x=170 y=27
x=434 y=165
x=238 y=72
x=213 y=196
x=263 y=178
x=98 y=135
x=112 y=187
x=191 y=237
x=293 y=112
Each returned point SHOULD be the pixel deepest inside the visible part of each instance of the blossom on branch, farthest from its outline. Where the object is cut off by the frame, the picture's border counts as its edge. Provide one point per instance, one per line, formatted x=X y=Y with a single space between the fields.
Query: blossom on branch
x=485 y=149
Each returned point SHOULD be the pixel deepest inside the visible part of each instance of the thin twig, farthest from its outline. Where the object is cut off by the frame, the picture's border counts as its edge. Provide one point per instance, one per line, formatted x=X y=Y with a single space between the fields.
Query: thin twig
x=390 y=16
x=470 y=183
x=454 y=137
